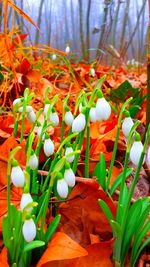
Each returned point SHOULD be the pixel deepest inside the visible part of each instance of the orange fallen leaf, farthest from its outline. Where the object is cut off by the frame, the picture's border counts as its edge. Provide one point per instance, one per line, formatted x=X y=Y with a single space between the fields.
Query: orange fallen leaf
x=3 y=258
x=61 y=247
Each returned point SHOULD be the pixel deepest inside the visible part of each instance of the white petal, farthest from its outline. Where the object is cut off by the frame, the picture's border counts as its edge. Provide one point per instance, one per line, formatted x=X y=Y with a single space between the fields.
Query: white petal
x=69 y=177
x=29 y=230
x=17 y=176
x=68 y=118
x=92 y=72
x=135 y=152
x=68 y=151
x=25 y=200
x=62 y=188
x=54 y=57
x=103 y=109
x=67 y=49
x=31 y=116
x=127 y=125
x=48 y=147
x=33 y=162
x=79 y=123
x=17 y=101
x=28 y=109
x=54 y=118
x=46 y=108
x=39 y=130
x=92 y=115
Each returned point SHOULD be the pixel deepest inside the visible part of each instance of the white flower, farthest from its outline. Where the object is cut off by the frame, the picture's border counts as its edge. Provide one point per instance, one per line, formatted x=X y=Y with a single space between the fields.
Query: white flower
x=92 y=72
x=25 y=200
x=17 y=176
x=29 y=230
x=68 y=151
x=103 y=109
x=68 y=118
x=28 y=109
x=39 y=130
x=54 y=118
x=31 y=116
x=48 y=147
x=127 y=125
x=33 y=162
x=67 y=49
x=54 y=57
x=62 y=188
x=69 y=177
x=92 y=115
x=79 y=123
x=46 y=108
x=135 y=152
x=17 y=101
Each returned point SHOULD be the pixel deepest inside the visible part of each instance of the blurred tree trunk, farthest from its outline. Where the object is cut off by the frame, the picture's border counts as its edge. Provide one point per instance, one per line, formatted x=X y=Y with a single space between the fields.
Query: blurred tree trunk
x=125 y=18
x=48 y=22
x=39 y=21
x=81 y=28
x=66 y=24
x=115 y=24
x=88 y=29
x=148 y=72
x=73 y=26
x=1 y=17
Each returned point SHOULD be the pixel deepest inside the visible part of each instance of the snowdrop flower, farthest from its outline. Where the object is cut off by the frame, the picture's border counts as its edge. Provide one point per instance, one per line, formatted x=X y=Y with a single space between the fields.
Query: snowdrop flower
x=68 y=151
x=17 y=102
x=54 y=118
x=68 y=118
x=136 y=150
x=54 y=57
x=92 y=72
x=62 y=188
x=103 y=109
x=48 y=147
x=127 y=125
x=31 y=116
x=17 y=176
x=46 y=108
x=33 y=162
x=69 y=177
x=79 y=123
x=29 y=230
x=39 y=130
x=67 y=49
x=28 y=109
x=25 y=200
x=92 y=114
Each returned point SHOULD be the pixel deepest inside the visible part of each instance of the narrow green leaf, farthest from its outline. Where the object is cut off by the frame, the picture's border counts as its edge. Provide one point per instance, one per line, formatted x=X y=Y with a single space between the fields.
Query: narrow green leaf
x=51 y=228
x=6 y=231
x=32 y=245
x=133 y=260
x=106 y=210
x=117 y=234
x=100 y=171
x=118 y=181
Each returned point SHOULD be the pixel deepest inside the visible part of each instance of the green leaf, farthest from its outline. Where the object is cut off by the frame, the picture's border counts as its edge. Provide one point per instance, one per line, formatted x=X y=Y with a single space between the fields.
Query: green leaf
x=1 y=77
x=118 y=181
x=106 y=210
x=100 y=171
x=117 y=234
x=6 y=231
x=32 y=245
x=133 y=260
x=121 y=205
x=51 y=228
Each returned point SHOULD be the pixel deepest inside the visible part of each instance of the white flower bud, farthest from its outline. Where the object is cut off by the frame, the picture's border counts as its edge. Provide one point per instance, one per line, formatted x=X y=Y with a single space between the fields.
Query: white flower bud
x=48 y=147
x=33 y=162
x=79 y=123
x=92 y=72
x=92 y=115
x=29 y=230
x=54 y=118
x=31 y=116
x=46 y=108
x=17 y=101
x=39 y=130
x=28 y=109
x=68 y=151
x=68 y=118
x=67 y=49
x=69 y=177
x=127 y=125
x=135 y=152
x=54 y=57
x=17 y=176
x=103 y=109
x=62 y=188
x=25 y=200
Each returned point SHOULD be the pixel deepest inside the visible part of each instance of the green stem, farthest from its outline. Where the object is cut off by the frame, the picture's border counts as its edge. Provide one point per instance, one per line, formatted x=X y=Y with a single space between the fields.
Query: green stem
x=87 y=151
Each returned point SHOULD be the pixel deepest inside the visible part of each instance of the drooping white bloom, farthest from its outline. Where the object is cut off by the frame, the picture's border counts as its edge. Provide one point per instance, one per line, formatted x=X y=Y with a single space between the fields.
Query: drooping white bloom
x=68 y=118
x=33 y=162
x=39 y=130
x=92 y=71
x=54 y=118
x=135 y=152
x=62 y=188
x=48 y=147
x=17 y=101
x=127 y=125
x=69 y=177
x=67 y=49
x=28 y=109
x=17 y=176
x=92 y=114
x=31 y=116
x=54 y=57
x=103 y=109
x=68 y=151
x=25 y=200
x=79 y=123
x=46 y=108
x=29 y=230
